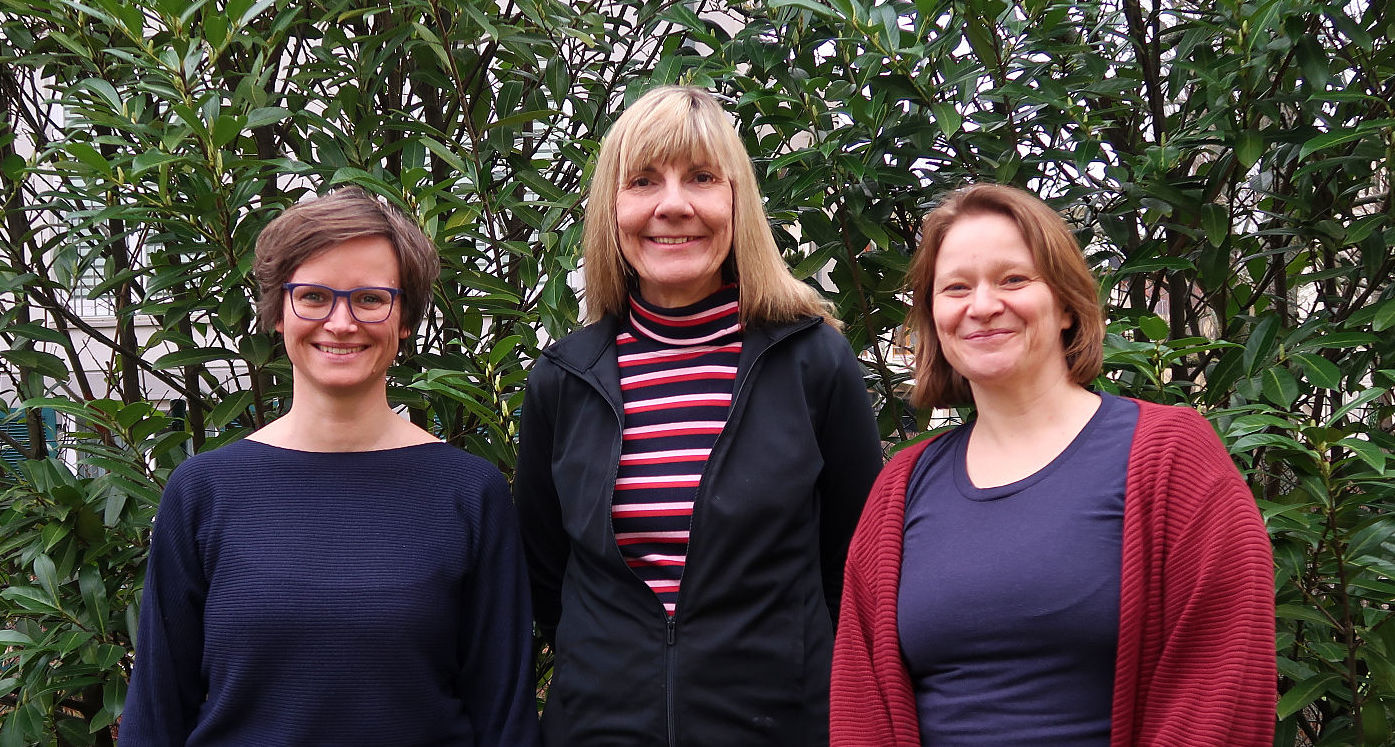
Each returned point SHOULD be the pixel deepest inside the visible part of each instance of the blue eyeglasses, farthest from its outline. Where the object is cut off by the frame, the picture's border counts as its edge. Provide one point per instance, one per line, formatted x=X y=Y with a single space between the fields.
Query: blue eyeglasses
x=314 y=303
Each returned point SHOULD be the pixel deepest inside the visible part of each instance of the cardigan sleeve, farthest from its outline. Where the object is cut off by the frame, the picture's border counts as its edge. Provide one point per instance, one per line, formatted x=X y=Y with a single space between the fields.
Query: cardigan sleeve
x=871 y=702
x=545 y=541
x=1196 y=647
x=167 y=685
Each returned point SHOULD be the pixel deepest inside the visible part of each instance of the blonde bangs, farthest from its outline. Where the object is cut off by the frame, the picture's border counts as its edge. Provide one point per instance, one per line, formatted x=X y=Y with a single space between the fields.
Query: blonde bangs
x=673 y=130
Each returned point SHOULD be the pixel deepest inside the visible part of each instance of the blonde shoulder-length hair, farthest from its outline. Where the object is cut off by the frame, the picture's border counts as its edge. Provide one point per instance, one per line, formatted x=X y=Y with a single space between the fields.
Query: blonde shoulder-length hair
x=681 y=123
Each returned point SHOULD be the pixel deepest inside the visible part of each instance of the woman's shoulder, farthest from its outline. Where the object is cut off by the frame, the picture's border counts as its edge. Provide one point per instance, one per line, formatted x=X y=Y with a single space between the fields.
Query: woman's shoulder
x=240 y=456
x=1157 y=421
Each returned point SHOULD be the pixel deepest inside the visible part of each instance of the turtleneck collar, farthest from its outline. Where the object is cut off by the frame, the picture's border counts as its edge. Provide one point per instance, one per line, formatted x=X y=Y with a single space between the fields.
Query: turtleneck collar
x=712 y=319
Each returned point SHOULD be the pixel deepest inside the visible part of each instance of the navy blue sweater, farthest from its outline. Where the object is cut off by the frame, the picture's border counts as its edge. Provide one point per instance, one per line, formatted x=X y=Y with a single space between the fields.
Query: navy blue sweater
x=333 y=598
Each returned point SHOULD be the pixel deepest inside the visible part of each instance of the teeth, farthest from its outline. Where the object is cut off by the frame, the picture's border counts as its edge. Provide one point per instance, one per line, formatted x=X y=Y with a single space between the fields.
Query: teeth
x=338 y=350
x=672 y=239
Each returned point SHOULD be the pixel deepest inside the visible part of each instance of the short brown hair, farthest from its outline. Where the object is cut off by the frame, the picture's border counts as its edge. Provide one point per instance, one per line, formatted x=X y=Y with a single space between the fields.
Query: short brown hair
x=308 y=228
x=1057 y=256
x=667 y=123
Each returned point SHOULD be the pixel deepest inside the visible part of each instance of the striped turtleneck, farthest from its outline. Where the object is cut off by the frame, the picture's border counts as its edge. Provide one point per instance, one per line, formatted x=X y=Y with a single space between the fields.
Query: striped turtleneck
x=677 y=371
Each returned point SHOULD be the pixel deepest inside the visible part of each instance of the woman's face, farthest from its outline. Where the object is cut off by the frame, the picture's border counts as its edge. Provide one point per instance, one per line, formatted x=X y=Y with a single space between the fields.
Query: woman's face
x=339 y=354
x=674 y=221
x=997 y=321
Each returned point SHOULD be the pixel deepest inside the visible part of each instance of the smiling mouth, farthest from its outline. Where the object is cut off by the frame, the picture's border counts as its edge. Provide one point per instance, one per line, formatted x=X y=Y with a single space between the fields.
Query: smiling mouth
x=340 y=349
x=672 y=239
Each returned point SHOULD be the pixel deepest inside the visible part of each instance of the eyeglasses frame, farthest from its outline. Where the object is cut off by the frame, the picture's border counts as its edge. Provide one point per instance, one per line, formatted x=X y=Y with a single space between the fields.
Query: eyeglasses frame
x=337 y=294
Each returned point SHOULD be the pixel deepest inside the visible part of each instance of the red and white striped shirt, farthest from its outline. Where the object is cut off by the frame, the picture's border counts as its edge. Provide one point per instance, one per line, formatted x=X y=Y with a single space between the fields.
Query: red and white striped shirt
x=677 y=372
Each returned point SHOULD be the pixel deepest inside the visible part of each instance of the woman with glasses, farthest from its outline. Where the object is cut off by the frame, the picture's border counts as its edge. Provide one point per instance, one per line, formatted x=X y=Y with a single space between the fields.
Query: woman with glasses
x=340 y=576
x=692 y=463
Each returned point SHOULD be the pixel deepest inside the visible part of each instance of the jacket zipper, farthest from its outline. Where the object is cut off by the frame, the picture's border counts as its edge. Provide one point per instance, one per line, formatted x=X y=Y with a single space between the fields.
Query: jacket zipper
x=671 y=621
x=670 y=653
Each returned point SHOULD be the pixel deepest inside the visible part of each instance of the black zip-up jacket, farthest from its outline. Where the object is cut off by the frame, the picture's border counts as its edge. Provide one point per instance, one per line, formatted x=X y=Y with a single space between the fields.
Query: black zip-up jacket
x=745 y=659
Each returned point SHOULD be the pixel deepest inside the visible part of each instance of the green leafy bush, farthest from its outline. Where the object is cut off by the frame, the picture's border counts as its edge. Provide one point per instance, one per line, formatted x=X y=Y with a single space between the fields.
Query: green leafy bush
x=1227 y=166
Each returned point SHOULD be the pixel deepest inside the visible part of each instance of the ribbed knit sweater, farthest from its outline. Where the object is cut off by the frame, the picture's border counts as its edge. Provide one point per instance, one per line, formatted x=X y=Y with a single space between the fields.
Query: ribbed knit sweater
x=1195 y=663
x=677 y=370
x=302 y=598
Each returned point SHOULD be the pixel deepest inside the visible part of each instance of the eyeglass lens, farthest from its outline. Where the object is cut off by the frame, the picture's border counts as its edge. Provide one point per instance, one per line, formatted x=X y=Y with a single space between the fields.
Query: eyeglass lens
x=315 y=302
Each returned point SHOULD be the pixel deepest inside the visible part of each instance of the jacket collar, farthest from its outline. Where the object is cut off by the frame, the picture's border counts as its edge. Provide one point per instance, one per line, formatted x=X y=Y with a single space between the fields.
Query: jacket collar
x=590 y=351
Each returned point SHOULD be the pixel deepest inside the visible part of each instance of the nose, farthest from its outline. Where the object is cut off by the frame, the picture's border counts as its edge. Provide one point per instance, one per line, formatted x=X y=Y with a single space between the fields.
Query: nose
x=985 y=302
x=341 y=318
x=673 y=200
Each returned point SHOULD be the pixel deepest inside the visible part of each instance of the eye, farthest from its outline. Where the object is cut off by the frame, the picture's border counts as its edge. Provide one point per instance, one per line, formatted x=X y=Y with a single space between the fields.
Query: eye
x=1016 y=281
x=312 y=295
x=954 y=288
x=705 y=177
x=370 y=298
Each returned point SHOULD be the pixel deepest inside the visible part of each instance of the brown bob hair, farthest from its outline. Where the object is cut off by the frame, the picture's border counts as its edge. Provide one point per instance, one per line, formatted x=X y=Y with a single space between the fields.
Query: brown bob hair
x=681 y=122
x=310 y=227
x=1059 y=260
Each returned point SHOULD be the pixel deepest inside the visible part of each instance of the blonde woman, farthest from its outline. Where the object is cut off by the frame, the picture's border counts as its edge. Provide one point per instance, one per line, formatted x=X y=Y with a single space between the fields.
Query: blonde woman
x=692 y=462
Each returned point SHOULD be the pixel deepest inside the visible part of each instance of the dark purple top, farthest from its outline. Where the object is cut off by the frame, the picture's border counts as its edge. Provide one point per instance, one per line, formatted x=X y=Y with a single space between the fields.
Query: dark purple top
x=364 y=598
x=1009 y=598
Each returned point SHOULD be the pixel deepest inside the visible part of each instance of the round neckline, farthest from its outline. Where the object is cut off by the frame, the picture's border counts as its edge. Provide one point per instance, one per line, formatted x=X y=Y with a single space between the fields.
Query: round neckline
x=360 y=452
x=972 y=492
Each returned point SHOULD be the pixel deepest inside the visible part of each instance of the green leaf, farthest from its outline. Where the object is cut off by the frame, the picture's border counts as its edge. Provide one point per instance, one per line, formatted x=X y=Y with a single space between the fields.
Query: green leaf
x=1370 y=453
x=1259 y=346
x=1385 y=316
x=522 y=118
x=47 y=574
x=1360 y=399
x=72 y=640
x=1249 y=146
x=230 y=408
x=1215 y=220
x=1320 y=371
x=1153 y=264
x=94 y=596
x=809 y=5
x=947 y=117
x=181 y=358
x=1253 y=440
x=88 y=156
x=1305 y=692
x=1279 y=386
x=1344 y=135
x=44 y=364
x=108 y=654
x=14 y=638
x=150 y=159
x=265 y=116
x=30 y=598
x=1339 y=340
x=1154 y=326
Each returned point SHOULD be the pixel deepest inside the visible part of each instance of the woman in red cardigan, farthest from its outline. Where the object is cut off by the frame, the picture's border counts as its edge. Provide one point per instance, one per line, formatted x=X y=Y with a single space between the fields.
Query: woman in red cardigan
x=1069 y=567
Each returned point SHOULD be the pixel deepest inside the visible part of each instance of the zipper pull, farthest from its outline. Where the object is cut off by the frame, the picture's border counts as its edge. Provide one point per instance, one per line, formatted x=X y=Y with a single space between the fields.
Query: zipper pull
x=672 y=628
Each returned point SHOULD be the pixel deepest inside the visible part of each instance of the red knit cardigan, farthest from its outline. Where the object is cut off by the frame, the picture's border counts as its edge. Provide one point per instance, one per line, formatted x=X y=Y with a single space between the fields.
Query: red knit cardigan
x=1195 y=663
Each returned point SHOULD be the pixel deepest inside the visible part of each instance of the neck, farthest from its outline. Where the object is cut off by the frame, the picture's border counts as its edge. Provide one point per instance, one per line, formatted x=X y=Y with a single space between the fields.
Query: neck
x=1019 y=413
x=357 y=422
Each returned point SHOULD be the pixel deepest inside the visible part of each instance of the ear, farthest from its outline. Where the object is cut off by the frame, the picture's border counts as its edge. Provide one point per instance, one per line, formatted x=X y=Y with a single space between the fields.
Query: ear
x=278 y=327
x=403 y=333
